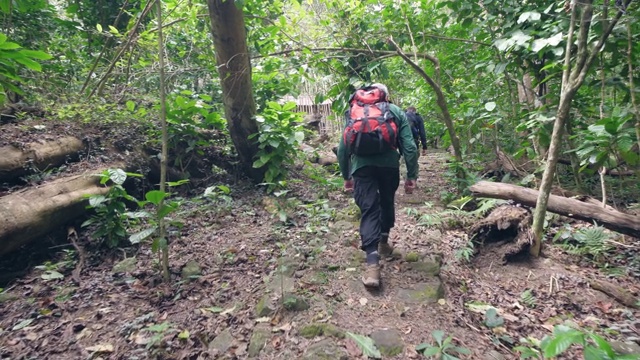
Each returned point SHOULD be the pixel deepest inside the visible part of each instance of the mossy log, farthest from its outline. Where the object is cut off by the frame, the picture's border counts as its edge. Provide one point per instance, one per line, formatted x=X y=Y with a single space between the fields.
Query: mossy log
x=32 y=213
x=19 y=161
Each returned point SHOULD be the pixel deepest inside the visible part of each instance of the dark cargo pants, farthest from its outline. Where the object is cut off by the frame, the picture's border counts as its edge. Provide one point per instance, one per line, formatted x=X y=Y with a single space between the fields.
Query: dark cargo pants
x=374 y=193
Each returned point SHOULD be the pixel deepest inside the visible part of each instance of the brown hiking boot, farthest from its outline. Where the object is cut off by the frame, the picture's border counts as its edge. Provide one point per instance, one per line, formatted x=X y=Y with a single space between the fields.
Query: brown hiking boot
x=371 y=276
x=384 y=248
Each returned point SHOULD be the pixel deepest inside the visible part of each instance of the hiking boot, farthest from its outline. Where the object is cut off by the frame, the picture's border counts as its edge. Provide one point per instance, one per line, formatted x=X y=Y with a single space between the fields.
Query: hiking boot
x=371 y=276
x=384 y=248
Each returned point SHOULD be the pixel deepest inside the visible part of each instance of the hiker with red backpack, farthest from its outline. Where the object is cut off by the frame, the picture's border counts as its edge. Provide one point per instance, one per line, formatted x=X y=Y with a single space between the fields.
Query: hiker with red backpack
x=417 y=128
x=376 y=134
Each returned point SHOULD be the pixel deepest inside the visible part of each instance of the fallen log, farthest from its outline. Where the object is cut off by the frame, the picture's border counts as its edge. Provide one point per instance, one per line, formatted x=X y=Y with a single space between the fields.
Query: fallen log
x=16 y=162
x=32 y=213
x=615 y=291
x=611 y=219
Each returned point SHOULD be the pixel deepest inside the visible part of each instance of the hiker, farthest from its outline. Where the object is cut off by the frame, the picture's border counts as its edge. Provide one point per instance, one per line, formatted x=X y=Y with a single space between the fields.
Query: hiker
x=417 y=128
x=370 y=165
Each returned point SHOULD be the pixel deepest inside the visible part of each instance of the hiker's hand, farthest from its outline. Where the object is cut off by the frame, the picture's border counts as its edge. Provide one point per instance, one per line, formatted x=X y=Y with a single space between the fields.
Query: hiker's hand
x=409 y=185
x=348 y=185
x=424 y=152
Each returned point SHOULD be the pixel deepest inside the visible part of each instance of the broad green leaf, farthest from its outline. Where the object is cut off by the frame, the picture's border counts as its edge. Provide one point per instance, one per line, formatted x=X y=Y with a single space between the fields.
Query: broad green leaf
x=365 y=344
x=138 y=214
x=502 y=44
x=299 y=136
x=141 y=235
x=290 y=105
x=561 y=341
x=611 y=127
x=258 y=163
x=35 y=54
x=118 y=176
x=529 y=15
x=131 y=106
x=431 y=351
x=538 y=44
x=72 y=9
x=99 y=27
x=490 y=106
x=491 y=318
x=96 y=200
x=461 y=350
x=22 y=324
x=51 y=275
x=592 y=353
x=520 y=38
x=30 y=64
x=166 y=209
x=9 y=46
x=184 y=334
x=438 y=335
x=274 y=143
x=603 y=345
x=499 y=69
x=155 y=196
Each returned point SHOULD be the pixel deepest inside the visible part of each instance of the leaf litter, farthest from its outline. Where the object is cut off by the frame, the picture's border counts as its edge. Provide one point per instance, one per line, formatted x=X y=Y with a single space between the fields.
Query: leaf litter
x=123 y=314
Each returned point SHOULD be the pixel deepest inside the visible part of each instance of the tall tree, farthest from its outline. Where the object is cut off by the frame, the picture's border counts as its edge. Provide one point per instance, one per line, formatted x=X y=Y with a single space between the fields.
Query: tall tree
x=573 y=77
x=234 y=68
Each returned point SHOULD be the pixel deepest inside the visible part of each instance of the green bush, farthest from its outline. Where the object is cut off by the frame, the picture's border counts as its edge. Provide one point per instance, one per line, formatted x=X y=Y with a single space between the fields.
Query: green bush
x=279 y=141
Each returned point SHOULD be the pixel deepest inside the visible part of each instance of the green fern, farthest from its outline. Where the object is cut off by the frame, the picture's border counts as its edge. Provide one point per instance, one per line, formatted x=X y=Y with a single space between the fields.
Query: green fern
x=411 y=211
x=430 y=220
x=458 y=204
x=528 y=298
x=455 y=216
x=466 y=252
x=590 y=241
x=485 y=205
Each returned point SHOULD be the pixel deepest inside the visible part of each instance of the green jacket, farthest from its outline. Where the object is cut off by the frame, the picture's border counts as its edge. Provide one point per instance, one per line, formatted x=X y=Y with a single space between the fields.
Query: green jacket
x=350 y=163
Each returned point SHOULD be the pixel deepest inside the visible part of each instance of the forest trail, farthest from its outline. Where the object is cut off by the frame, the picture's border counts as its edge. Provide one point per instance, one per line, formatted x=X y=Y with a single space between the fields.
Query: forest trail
x=235 y=262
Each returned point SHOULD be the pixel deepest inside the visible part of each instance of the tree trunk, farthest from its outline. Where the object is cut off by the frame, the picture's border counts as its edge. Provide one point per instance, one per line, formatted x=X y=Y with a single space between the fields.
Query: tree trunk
x=234 y=69
x=32 y=213
x=16 y=162
x=162 y=224
x=607 y=217
x=573 y=77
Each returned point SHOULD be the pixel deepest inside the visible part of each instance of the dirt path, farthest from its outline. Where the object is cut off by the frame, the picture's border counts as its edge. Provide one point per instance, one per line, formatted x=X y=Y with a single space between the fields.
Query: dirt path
x=236 y=261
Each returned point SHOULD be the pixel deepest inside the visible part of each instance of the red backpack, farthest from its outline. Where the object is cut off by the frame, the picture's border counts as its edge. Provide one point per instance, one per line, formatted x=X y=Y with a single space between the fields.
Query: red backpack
x=371 y=127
